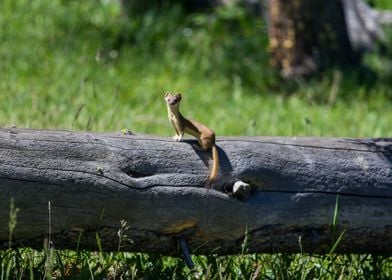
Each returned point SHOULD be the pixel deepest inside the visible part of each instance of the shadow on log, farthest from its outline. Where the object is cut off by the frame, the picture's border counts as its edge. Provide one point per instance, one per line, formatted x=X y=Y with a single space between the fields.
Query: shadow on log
x=93 y=181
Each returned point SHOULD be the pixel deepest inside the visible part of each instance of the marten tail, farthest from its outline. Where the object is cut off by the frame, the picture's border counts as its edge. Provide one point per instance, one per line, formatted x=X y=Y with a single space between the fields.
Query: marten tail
x=215 y=164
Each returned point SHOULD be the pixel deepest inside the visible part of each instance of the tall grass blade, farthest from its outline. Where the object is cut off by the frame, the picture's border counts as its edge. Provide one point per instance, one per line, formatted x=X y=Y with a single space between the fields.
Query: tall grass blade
x=12 y=221
x=337 y=243
x=335 y=214
x=245 y=242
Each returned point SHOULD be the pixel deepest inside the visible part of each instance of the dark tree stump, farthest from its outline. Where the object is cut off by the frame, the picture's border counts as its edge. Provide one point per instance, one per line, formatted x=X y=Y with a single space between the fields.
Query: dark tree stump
x=310 y=35
x=307 y=35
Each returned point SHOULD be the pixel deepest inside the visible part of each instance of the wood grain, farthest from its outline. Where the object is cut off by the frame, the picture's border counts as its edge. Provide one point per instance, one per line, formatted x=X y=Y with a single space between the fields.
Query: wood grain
x=95 y=180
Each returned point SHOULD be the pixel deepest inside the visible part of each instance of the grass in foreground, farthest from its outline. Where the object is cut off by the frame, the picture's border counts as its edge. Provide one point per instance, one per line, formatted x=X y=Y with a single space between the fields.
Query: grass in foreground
x=81 y=66
x=30 y=264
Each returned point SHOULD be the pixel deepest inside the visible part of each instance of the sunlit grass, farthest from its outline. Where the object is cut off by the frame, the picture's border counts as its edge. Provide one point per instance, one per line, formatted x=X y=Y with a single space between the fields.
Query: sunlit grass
x=29 y=264
x=71 y=71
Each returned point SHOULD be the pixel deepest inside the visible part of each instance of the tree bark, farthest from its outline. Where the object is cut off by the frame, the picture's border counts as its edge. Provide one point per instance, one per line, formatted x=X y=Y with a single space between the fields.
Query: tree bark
x=307 y=35
x=158 y=186
x=310 y=35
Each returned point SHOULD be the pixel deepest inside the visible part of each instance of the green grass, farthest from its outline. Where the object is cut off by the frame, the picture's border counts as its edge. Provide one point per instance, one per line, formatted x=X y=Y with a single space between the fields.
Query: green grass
x=67 y=264
x=77 y=66
x=80 y=65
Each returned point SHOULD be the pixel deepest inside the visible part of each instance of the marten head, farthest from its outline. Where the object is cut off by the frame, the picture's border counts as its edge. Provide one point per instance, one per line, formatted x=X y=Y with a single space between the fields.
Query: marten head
x=172 y=100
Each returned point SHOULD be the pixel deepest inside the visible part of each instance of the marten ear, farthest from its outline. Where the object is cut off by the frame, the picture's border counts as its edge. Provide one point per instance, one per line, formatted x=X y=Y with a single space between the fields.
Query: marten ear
x=179 y=96
x=167 y=94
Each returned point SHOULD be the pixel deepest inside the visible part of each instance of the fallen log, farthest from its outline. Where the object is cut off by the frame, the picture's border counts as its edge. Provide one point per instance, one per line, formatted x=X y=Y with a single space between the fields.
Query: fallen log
x=290 y=194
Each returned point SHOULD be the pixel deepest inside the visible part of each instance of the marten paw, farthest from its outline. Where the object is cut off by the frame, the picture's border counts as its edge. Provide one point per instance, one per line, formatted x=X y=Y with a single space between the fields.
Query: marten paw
x=177 y=138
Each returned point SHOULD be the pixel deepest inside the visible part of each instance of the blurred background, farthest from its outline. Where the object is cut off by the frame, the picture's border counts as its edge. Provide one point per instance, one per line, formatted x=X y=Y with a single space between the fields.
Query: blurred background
x=247 y=67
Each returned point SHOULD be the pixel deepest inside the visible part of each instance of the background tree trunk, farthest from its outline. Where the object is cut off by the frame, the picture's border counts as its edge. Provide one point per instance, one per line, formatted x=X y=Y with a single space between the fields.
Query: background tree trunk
x=307 y=35
x=310 y=35
x=93 y=181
